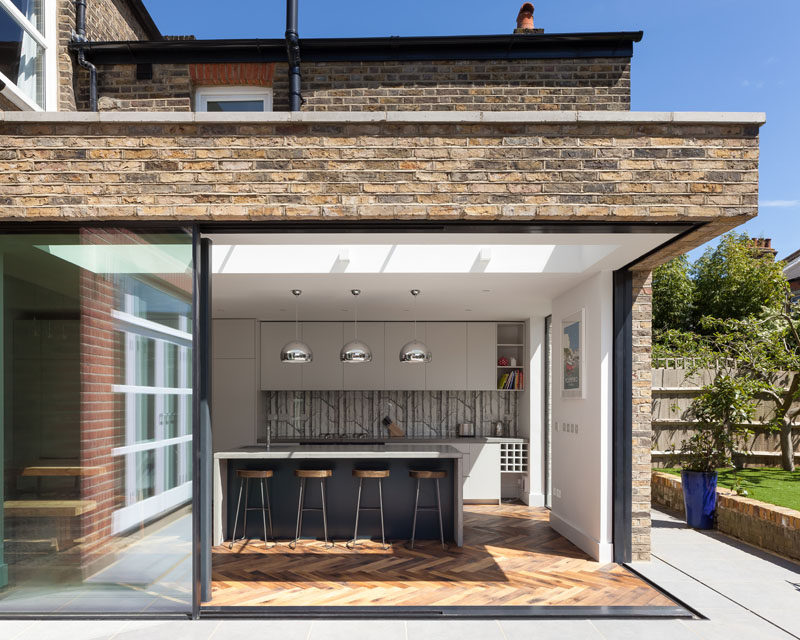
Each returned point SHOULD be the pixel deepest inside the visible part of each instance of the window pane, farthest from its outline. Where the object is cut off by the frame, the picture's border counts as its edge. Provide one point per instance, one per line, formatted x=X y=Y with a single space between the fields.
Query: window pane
x=235 y=105
x=89 y=487
x=21 y=58
x=32 y=10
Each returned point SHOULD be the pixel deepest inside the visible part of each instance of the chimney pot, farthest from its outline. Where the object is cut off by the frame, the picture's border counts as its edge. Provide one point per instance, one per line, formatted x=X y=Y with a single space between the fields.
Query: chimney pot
x=525 y=18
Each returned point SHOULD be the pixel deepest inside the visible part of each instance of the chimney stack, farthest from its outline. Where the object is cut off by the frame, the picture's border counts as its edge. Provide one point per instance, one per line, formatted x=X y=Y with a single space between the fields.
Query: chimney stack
x=762 y=248
x=525 y=20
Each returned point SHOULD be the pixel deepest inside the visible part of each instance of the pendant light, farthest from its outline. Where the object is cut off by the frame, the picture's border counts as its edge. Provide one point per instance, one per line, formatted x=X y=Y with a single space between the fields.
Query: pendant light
x=415 y=350
x=355 y=351
x=296 y=351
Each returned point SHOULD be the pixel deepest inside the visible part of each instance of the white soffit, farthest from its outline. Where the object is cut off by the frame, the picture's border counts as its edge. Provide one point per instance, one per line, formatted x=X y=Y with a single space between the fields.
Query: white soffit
x=462 y=276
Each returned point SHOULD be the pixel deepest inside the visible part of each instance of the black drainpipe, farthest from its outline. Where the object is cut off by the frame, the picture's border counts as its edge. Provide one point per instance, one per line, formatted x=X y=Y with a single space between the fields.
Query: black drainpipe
x=80 y=36
x=293 y=54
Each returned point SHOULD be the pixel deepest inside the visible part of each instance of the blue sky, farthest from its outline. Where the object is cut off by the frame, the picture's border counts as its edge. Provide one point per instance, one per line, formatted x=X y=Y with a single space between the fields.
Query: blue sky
x=696 y=55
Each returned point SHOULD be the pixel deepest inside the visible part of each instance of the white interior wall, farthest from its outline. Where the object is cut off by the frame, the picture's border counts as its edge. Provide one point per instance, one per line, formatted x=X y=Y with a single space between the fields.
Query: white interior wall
x=532 y=412
x=581 y=504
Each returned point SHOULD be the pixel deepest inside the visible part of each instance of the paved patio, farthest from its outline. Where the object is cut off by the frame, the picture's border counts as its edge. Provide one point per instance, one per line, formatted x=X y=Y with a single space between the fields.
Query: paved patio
x=744 y=592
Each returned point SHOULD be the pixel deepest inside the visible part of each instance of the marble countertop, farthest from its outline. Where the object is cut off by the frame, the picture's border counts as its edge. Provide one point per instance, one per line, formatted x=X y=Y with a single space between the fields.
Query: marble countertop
x=332 y=450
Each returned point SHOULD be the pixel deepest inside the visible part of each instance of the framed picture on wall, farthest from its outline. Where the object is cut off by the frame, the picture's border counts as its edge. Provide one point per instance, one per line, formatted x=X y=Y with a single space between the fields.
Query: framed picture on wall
x=572 y=355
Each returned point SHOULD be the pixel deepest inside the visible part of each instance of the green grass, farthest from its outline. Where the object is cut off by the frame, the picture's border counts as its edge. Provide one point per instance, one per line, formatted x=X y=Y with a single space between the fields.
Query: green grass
x=774 y=486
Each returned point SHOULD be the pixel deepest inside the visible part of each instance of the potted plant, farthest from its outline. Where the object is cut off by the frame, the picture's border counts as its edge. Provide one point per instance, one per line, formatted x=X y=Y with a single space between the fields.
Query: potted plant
x=723 y=412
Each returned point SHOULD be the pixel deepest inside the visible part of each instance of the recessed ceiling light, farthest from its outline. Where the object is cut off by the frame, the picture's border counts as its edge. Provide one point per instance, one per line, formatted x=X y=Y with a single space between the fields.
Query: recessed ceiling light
x=486 y=290
x=467 y=309
x=281 y=309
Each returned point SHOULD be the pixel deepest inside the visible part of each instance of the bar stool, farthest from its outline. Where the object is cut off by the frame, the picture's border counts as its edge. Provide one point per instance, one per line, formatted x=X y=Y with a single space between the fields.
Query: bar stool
x=363 y=474
x=263 y=476
x=304 y=475
x=419 y=475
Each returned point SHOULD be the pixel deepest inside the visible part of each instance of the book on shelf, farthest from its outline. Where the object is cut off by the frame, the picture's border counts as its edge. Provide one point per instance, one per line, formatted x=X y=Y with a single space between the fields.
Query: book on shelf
x=511 y=381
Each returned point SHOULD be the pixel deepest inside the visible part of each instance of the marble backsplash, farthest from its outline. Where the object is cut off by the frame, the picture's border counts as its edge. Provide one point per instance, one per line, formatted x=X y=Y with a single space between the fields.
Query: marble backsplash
x=310 y=415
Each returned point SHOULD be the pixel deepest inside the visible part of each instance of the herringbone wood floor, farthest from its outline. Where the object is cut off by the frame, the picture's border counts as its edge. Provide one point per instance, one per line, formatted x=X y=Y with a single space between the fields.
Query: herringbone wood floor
x=511 y=556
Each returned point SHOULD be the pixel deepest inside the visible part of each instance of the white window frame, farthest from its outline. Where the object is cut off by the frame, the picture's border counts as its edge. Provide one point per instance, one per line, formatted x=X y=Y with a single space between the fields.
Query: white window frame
x=49 y=45
x=135 y=512
x=203 y=94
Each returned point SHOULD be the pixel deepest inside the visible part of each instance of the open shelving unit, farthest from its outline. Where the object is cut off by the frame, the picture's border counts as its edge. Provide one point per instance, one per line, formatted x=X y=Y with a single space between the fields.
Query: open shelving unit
x=511 y=345
x=513 y=457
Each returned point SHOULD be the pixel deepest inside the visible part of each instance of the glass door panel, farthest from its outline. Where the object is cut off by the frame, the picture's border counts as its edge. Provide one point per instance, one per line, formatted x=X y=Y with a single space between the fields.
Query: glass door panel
x=96 y=431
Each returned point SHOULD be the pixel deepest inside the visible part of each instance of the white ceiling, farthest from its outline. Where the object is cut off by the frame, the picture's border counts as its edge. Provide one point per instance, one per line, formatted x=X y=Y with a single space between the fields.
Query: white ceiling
x=461 y=276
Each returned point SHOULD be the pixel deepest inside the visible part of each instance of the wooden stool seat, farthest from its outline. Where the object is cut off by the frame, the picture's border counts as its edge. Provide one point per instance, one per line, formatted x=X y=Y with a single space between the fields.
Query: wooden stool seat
x=427 y=475
x=370 y=473
x=313 y=473
x=254 y=473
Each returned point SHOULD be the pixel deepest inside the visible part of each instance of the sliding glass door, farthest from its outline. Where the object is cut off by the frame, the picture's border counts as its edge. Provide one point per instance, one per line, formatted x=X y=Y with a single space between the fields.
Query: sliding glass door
x=96 y=432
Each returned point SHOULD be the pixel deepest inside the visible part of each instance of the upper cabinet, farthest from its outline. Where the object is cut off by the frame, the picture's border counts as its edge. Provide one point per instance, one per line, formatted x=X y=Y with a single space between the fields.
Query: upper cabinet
x=403 y=376
x=233 y=338
x=448 y=344
x=481 y=360
x=324 y=372
x=464 y=355
x=276 y=375
x=366 y=375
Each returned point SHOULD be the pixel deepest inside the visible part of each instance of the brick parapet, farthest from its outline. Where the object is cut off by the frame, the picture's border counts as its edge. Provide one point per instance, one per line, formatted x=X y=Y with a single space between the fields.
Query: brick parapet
x=259 y=169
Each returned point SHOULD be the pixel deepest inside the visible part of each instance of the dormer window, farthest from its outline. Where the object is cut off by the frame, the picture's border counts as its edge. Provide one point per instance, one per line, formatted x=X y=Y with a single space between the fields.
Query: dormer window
x=233 y=99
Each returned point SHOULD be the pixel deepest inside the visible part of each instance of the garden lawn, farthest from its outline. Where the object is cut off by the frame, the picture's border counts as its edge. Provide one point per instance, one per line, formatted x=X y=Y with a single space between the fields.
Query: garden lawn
x=775 y=486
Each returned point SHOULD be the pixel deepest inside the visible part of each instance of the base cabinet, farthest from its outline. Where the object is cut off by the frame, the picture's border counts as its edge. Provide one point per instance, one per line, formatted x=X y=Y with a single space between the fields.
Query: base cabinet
x=483 y=481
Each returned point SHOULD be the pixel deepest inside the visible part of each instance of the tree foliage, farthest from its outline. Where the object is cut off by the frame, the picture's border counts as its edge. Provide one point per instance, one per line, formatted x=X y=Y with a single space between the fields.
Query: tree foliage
x=732 y=281
x=673 y=296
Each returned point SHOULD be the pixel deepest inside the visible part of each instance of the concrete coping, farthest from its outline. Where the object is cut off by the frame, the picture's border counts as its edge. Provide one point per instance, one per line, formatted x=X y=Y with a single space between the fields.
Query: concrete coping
x=397 y=117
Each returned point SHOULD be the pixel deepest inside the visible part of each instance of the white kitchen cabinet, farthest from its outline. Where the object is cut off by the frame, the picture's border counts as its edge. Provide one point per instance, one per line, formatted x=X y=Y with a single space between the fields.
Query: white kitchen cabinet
x=233 y=402
x=324 y=372
x=448 y=343
x=366 y=375
x=403 y=376
x=276 y=375
x=233 y=338
x=481 y=356
x=483 y=482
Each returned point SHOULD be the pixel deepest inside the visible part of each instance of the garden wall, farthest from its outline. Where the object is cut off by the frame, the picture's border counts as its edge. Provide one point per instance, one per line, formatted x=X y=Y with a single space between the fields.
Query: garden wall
x=764 y=525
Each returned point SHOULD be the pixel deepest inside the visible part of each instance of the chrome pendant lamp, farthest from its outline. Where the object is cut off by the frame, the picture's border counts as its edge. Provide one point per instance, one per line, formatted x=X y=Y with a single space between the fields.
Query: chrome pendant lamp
x=355 y=350
x=415 y=350
x=296 y=351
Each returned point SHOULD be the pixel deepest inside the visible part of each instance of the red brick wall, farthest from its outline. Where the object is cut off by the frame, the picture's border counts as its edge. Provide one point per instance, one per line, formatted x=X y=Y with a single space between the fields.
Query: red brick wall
x=97 y=402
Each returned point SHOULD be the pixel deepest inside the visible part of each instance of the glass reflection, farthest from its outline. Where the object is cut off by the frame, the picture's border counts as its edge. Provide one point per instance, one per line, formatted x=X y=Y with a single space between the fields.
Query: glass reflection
x=96 y=429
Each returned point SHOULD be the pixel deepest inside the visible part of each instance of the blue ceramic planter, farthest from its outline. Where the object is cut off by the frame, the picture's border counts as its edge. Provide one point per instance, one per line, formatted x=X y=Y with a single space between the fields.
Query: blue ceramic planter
x=699 y=498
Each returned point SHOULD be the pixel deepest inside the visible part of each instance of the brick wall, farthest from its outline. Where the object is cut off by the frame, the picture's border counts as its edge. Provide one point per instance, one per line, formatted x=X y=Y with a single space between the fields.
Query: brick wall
x=379 y=170
x=105 y=20
x=169 y=89
x=462 y=85
x=642 y=431
x=97 y=405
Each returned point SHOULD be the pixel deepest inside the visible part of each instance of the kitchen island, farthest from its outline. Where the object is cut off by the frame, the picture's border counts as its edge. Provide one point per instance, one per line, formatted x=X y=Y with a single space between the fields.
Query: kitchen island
x=398 y=489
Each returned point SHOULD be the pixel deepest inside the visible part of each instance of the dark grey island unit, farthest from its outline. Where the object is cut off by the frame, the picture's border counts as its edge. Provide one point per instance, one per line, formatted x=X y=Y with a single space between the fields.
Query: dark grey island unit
x=341 y=488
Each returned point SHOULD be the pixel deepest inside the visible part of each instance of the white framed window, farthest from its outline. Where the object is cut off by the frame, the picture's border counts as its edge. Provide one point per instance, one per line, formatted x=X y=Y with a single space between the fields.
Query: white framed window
x=229 y=99
x=28 y=53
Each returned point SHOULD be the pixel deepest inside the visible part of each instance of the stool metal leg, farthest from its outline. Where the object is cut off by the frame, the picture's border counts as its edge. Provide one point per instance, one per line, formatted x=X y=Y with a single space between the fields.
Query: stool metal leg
x=300 y=501
x=236 y=519
x=269 y=510
x=263 y=512
x=380 y=501
x=414 y=525
x=324 y=513
x=439 y=510
x=246 y=504
x=352 y=543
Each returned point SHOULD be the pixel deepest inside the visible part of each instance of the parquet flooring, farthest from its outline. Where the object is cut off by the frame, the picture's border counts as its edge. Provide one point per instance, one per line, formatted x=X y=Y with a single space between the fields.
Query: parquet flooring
x=511 y=556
